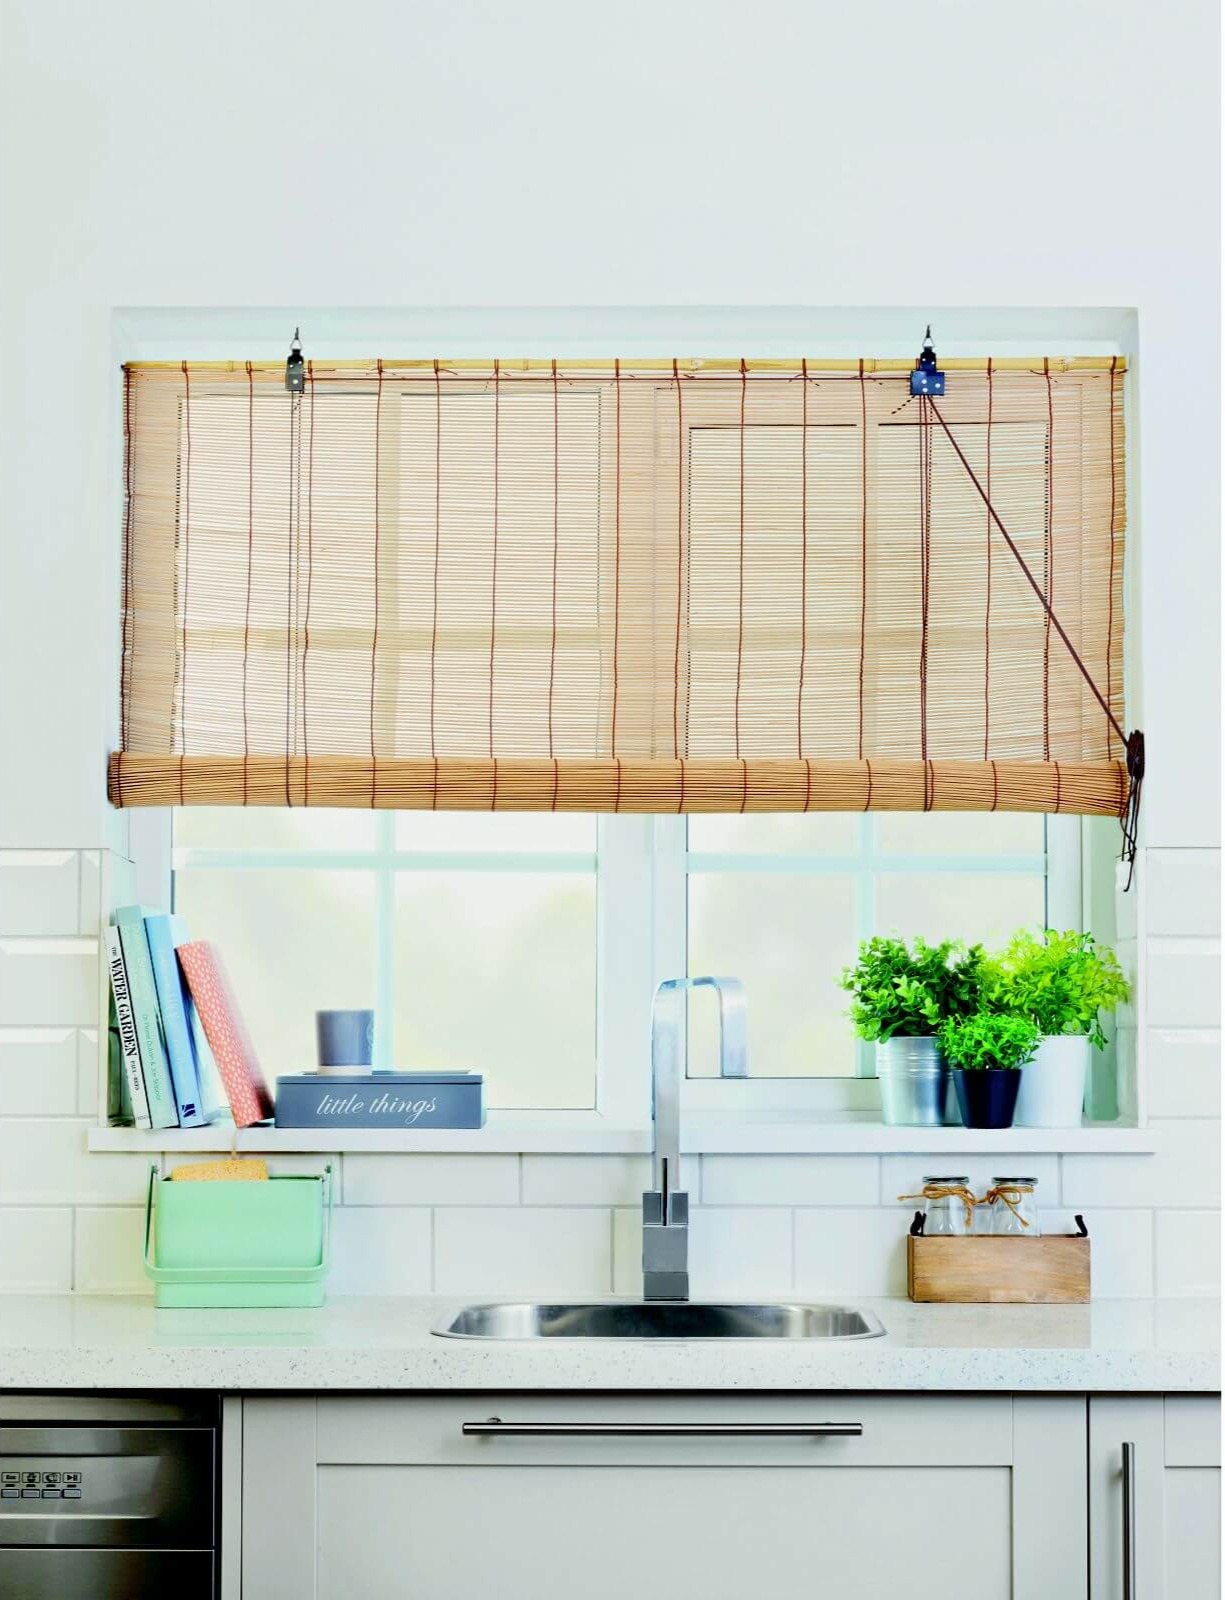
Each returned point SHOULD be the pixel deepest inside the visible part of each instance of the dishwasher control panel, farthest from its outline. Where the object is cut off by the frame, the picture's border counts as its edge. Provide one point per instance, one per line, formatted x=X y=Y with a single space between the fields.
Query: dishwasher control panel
x=146 y=1486
x=29 y=1481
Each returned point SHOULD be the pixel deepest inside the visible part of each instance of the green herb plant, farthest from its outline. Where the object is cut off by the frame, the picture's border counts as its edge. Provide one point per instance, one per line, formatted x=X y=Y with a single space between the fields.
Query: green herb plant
x=988 y=1041
x=1061 y=982
x=901 y=990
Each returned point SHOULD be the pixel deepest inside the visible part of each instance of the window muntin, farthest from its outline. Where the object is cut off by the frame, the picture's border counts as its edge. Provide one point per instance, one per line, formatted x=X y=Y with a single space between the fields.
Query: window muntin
x=497 y=942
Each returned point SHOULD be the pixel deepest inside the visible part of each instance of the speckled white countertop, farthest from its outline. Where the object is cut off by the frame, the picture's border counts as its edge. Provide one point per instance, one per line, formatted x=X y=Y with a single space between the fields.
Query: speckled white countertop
x=92 y=1342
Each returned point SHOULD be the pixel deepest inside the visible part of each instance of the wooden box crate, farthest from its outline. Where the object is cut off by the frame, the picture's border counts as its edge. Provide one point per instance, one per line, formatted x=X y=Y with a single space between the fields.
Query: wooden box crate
x=1050 y=1270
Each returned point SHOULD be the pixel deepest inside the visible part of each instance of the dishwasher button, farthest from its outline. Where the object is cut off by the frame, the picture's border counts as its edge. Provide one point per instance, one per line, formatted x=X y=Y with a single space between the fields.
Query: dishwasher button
x=51 y=1494
x=31 y=1494
x=10 y=1494
x=72 y=1494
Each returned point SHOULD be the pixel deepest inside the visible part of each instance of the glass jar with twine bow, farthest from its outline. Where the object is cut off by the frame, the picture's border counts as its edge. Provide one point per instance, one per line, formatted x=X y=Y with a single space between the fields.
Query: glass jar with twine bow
x=1013 y=1208
x=950 y=1207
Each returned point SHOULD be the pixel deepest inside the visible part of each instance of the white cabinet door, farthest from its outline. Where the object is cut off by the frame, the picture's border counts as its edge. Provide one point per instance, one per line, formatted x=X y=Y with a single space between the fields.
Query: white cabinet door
x=1155 y=1509
x=940 y=1495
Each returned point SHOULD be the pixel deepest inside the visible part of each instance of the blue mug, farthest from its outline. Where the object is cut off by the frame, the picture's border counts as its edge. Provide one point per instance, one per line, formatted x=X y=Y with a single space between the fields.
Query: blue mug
x=345 y=1040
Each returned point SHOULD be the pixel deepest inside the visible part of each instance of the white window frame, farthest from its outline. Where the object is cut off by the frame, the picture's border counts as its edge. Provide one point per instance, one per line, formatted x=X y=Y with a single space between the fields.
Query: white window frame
x=640 y=929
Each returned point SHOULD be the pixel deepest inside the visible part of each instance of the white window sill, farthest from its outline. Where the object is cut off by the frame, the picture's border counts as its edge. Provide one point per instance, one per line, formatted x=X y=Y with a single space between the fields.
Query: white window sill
x=702 y=1133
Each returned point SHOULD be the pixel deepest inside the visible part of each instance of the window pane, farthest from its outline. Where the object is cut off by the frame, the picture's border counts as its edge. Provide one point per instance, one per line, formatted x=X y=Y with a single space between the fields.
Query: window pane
x=985 y=906
x=495 y=830
x=293 y=943
x=787 y=938
x=496 y=973
x=271 y=828
x=819 y=833
x=990 y=833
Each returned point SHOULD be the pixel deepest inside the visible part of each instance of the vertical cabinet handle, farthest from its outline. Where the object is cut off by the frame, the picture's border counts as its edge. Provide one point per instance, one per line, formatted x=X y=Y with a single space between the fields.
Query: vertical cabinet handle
x=1129 y=1521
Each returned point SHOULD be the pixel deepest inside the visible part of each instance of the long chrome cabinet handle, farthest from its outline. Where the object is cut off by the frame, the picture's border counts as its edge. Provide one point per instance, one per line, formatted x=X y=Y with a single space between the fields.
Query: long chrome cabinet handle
x=494 y=1426
x=1129 y=1522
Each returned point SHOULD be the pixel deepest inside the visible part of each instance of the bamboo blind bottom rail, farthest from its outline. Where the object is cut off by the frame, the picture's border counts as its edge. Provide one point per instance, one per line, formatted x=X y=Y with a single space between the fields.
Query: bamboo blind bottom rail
x=1051 y=1270
x=608 y=785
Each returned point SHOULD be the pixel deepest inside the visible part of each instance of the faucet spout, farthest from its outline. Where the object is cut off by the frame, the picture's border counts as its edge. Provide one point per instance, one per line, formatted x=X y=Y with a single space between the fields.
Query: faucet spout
x=665 y=1206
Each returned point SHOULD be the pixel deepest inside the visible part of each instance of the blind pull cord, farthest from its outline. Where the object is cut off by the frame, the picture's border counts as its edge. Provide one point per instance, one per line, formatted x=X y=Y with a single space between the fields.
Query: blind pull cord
x=1133 y=743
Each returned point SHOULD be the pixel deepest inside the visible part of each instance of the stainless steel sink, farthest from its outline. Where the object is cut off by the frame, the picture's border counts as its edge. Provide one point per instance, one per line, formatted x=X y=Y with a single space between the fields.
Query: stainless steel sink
x=658 y=1319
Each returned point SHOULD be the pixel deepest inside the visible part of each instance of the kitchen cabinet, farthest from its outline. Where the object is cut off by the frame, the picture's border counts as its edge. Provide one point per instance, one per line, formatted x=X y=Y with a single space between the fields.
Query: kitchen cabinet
x=670 y=1494
x=1155 y=1497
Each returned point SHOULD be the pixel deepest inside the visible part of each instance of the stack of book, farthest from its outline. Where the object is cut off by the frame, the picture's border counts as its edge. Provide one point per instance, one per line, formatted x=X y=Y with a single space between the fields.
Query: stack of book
x=181 y=1052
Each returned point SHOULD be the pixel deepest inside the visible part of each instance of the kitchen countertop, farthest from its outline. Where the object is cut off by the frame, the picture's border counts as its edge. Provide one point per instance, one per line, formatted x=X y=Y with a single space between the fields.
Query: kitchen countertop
x=96 y=1342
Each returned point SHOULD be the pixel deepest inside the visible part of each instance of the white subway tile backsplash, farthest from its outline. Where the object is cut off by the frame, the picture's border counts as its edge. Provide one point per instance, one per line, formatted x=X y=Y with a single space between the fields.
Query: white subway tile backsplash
x=89 y=901
x=1183 y=893
x=597 y=1180
x=849 y=1252
x=506 y=1250
x=49 y=981
x=904 y=1175
x=424 y=1180
x=87 y=1073
x=733 y=1252
x=790 y=1180
x=39 y=892
x=35 y=1250
x=1184 y=988
x=627 y=1251
x=740 y=1253
x=109 y=1243
x=45 y=1162
x=1188 y=1253
x=1184 y=1073
x=1185 y=1170
x=38 y=1072
x=380 y=1250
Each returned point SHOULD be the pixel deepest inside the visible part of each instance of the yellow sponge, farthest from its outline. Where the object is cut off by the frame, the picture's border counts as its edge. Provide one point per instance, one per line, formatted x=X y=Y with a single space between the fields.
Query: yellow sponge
x=228 y=1171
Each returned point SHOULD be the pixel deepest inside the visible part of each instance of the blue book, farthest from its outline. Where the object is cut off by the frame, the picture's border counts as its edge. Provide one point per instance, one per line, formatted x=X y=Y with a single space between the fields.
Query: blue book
x=154 y=1062
x=164 y=933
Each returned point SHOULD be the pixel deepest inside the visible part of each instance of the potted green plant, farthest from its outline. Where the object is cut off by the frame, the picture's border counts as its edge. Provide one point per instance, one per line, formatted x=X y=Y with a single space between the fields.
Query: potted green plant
x=901 y=994
x=1061 y=982
x=986 y=1053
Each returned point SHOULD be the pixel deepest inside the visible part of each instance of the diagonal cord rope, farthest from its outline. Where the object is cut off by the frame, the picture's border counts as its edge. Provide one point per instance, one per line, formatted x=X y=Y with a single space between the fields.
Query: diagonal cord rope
x=1133 y=743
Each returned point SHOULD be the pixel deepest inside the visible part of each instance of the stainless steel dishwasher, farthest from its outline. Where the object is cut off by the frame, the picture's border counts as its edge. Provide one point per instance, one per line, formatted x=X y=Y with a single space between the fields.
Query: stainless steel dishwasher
x=108 y=1497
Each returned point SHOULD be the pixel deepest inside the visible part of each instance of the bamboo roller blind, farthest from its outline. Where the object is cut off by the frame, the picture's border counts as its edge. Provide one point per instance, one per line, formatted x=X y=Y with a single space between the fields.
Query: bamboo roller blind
x=652 y=586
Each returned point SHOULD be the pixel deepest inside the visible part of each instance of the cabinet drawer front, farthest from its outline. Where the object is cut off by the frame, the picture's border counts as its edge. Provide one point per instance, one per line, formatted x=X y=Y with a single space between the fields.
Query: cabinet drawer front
x=618 y=1532
x=1192 y=1430
x=898 y=1430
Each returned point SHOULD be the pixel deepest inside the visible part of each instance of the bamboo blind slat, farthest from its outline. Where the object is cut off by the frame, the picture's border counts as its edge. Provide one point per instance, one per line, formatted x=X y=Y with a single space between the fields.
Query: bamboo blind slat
x=620 y=586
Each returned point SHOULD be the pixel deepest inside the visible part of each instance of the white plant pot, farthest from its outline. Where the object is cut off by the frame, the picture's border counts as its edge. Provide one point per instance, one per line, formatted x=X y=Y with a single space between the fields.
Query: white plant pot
x=1053 y=1084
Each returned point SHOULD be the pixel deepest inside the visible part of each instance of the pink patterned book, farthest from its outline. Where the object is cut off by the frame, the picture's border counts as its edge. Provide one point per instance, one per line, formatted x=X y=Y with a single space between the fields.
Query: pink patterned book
x=226 y=1032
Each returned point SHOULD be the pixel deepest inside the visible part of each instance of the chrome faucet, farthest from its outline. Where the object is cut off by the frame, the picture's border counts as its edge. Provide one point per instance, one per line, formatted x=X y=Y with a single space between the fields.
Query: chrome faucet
x=665 y=1206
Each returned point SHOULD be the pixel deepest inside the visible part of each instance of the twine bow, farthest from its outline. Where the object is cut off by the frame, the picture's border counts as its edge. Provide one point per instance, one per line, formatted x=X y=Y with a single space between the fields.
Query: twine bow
x=947 y=1191
x=1012 y=1194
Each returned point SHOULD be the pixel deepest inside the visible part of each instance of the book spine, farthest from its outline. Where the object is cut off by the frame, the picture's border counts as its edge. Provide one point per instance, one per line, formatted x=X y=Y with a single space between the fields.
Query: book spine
x=172 y=999
x=153 y=1058
x=125 y=1021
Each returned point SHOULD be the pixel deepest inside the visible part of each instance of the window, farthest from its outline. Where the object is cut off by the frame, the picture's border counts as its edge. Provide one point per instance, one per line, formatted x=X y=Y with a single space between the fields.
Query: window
x=473 y=937
x=526 y=946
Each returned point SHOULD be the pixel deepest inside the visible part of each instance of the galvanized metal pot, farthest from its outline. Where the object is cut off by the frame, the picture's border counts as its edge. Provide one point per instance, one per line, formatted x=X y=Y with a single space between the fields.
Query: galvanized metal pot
x=914 y=1082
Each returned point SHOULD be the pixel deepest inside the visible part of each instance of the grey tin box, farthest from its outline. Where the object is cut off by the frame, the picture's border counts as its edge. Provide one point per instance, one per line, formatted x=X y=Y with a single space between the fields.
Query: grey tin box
x=381 y=1100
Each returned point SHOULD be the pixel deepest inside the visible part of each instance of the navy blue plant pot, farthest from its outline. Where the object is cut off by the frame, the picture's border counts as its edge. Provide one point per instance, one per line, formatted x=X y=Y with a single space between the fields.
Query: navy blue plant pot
x=988 y=1099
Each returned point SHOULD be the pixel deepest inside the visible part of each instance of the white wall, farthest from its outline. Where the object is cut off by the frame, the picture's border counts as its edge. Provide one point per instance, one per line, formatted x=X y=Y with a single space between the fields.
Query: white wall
x=553 y=153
